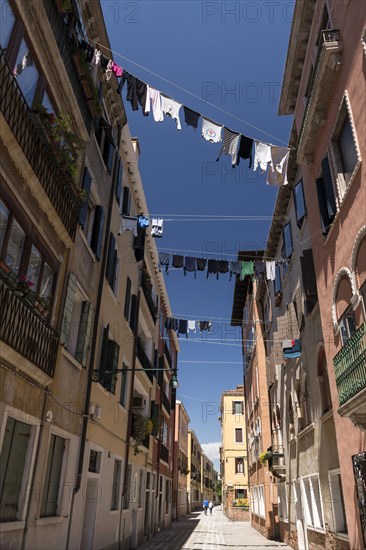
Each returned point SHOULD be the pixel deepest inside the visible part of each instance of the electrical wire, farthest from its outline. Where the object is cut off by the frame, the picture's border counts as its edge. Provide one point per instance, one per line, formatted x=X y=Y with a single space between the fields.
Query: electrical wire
x=195 y=95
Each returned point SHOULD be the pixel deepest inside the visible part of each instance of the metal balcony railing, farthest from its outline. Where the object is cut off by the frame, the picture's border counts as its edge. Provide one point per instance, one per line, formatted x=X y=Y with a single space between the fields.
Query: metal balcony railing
x=146 y=289
x=145 y=361
x=24 y=330
x=350 y=366
x=64 y=43
x=59 y=188
x=166 y=403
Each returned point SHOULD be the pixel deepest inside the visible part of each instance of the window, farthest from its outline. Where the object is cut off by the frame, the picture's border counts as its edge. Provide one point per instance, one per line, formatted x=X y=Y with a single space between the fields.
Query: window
x=238 y=407
x=112 y=264
x=241 y=493
x=287 y=240
x=14 y=248
x=127 y=488
x=309 y=280
x=257 y=498
x=326 y=401
x=238 y=435
x=277 y=281
x=116 y=484
x=126 y=201
x=40 y=273
x=104 y=137
x=239 y=466
x=127 y=307
x=29 y=76
x=7 y=20
x=77 y=322
x=119 y=174
x=108 y=362
x=95 y=458
x=326 y=197
x=312 y=502
x=123 y=394
x=52 y=487
x=344 y=150
x=13 y=458
x=141 y=489
x=337 y=500
x=299 y=199
x=347 y=325
x=164 y=432
x=96 y=240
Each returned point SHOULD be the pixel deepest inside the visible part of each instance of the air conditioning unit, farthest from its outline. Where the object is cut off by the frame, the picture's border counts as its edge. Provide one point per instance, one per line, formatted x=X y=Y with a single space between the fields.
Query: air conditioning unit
x=138 y=402
x=95 y=412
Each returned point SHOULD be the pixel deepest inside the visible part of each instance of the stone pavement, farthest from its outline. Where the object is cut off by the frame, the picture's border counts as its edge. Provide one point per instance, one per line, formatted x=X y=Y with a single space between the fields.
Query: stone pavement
x=216 y=532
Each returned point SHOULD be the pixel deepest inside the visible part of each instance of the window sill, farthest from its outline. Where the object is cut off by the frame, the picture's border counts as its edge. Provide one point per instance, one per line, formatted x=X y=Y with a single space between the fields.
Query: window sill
x=306 y=430
x=112 y=294
x=12 y=526
x=326 y=416
x=342 y=536
x=71 y=359
x=113 y=512
x=316 y=529
x=87 y=245
x=49 y=520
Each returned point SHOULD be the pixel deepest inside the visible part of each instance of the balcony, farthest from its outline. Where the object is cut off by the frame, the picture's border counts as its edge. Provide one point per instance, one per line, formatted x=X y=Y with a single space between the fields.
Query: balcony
x=276 y=461
x=350 y=372
x=28 y=333
x=145 y=361
x=164 y=453
x=166 y=403
x=64 y=43
x=58 y=187
x=320 y=89
x=147 y=291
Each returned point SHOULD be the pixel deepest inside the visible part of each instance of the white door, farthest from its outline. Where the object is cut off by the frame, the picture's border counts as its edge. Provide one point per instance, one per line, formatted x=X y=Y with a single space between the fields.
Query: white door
x=302 y=538
x=90 y=512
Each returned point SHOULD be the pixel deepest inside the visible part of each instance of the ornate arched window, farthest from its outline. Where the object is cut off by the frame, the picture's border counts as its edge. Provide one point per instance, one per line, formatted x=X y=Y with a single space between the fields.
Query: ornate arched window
x=344 y=311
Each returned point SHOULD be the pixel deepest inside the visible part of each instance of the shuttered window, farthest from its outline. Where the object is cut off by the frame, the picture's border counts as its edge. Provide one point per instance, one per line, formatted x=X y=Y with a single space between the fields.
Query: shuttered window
x=86 y=187
x=299 y=199
x=86 y=323
x=123 y=393
x=287 y=240
x=126 y=201
x=52 y=483
x=309 y=279
x=112 y=261
x=139 y=244
x=277 y=281
x=326 y=197
x=108 y=362
x=133 y=312
x=97 y=234
x=127 y=299
x=116 y=484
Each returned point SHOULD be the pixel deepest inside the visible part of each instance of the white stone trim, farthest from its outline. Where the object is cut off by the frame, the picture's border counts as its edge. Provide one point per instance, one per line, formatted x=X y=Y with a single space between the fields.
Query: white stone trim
x=360 y=235
x=343 y=271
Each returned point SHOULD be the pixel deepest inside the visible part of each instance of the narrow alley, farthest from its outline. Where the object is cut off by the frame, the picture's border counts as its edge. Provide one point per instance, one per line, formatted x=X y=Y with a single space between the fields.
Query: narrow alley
x=198 y=532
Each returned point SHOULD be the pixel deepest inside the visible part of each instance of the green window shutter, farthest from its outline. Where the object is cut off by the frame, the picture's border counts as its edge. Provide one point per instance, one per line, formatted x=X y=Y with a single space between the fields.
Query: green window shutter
x=119 y=180
x=97 y=233
x=86 y=186
x=86 y=322
x=103 y=354
x=127 y=298
x=110 y=270
x=68 y=307
x=154 y=414
x=111 y=365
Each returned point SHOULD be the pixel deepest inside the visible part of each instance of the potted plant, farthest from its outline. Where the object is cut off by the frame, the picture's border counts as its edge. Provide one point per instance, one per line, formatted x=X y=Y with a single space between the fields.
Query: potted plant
x=24 y=285
x=142 y=426
x=264 y=456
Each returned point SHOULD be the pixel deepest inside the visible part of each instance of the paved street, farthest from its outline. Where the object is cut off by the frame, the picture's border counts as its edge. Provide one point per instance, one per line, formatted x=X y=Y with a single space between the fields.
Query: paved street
x=198 y=532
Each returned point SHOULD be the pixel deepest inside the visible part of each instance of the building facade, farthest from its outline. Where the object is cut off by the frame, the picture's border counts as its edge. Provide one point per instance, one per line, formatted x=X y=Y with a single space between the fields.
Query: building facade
x=323 y=88
x=233 y=451
x=194 y=487
x=181 y=470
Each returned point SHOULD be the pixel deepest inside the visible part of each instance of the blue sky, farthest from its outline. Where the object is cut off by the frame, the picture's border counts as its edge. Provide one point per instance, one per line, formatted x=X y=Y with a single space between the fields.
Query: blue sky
x=231 y=54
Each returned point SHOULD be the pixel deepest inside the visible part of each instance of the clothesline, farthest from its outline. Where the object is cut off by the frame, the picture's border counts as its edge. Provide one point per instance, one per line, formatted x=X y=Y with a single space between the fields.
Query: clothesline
x=193 y=95
x=217 y=253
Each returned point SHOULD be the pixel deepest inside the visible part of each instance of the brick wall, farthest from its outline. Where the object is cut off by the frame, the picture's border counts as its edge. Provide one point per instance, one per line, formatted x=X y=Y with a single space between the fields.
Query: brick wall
x=233 y=513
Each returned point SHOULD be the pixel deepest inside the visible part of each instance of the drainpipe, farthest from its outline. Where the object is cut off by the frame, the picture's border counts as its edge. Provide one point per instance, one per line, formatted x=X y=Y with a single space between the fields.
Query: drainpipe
x=129 y=418
x=93 y=345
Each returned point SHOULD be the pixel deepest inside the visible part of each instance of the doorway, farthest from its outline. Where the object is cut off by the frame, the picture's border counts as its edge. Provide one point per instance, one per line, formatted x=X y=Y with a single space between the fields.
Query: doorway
x=90 y=512
x=302 y=539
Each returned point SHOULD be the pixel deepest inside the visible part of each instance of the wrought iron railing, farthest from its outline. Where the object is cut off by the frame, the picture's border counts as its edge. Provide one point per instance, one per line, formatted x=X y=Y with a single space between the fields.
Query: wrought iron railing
x=166 y=403
x=24 y=330
x=350 y=366
x=146 y=289
x=145 y=361
x=64 y=43
x=57 y=185
x=164 y=453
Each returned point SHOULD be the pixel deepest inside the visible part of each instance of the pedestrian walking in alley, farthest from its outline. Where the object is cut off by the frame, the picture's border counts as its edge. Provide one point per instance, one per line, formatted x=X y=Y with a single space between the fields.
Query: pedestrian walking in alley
x=205 y=506
x=210 y=507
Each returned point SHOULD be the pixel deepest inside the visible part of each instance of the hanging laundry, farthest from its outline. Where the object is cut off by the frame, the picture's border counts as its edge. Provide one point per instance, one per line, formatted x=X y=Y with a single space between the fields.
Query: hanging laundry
x=201 y=264
x=212 y=268
x=164 y=259
x=262 y=155
x=222 y=266
x=183 y=327
x=190 y=265
x=283 y=262
x=128 y=224
x=171 y=108
x=154 y=97
x=277 y=173
x=136 y=91
x=245 y=150
x=271 y=270
x=177 y=261
x=96 y=57
x=191 y=118
x=247 y=268
x=25 y=62
x=211 y=131
x=89 y=51
x=192 y=326
x=172 y=324
x=204 y=325
x=117 y=70
x=143 y=221
x=259 y=268
x=230 y=145
x=234 y=268
x=157 y=227
x=109 y=72
x=104 y=62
